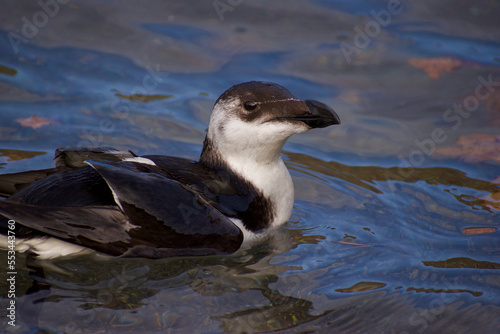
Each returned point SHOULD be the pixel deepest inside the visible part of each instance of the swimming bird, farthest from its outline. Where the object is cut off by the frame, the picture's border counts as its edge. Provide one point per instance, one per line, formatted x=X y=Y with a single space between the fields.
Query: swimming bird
x=153 y=206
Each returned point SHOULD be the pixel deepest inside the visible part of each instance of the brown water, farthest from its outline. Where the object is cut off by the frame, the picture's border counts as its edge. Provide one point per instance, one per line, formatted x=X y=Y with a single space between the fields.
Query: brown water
x=396 y=222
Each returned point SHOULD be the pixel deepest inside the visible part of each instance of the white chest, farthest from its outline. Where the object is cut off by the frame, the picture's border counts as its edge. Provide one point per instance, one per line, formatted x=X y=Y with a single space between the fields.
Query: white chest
x=275 y=183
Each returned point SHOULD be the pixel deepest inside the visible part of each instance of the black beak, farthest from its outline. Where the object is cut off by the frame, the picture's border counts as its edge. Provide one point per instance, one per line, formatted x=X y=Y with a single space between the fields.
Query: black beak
x=321 y=115
x=317 y=114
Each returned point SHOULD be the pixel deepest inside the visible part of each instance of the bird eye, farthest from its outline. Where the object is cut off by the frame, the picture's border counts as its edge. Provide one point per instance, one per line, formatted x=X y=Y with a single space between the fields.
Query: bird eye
x=250 y=105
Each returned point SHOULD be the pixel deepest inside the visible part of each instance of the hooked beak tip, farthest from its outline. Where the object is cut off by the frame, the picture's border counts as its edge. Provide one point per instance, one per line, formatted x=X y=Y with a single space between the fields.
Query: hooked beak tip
x=322 y=115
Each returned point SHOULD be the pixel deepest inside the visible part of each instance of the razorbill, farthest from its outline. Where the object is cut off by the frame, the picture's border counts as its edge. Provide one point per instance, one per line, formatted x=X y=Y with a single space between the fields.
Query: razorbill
x=120 y=204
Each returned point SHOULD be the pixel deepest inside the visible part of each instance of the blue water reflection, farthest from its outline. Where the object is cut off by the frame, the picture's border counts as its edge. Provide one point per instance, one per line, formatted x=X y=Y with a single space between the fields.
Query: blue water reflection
x=375 y=243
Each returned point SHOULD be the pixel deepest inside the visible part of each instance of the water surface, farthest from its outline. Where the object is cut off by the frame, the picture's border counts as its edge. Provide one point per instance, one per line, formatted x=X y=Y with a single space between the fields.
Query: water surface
x=396 y=222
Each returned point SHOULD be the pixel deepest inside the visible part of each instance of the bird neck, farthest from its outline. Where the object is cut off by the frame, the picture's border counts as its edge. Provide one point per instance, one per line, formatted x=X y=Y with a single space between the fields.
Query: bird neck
x=269 y=176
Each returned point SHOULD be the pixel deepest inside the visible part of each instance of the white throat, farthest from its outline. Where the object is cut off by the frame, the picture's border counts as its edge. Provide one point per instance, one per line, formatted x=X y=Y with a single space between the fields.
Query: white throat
x=253 y=150
x=272 y=179
x=267 y=172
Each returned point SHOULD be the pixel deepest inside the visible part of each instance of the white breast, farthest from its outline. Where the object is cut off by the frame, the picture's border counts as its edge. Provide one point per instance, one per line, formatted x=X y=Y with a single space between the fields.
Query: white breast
x=253 y=150
x=273 y=180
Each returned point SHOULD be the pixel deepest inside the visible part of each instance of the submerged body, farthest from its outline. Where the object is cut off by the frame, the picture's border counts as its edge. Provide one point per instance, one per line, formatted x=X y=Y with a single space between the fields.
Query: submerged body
x=155 y=206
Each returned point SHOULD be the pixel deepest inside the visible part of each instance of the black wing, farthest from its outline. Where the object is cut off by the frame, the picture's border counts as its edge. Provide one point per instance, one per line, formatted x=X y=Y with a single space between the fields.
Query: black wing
x=162 y=207
x=226 y=191
x=100 y=227
x=156 y=216
x=12 y=183
x=65 y=160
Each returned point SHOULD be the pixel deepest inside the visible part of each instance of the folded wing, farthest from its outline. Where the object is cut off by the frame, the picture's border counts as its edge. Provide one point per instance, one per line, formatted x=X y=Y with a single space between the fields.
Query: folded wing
x=123 y=208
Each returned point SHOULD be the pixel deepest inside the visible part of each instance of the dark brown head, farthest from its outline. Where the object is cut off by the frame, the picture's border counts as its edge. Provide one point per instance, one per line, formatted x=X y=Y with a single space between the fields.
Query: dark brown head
x=256 y=118
x=249 y=125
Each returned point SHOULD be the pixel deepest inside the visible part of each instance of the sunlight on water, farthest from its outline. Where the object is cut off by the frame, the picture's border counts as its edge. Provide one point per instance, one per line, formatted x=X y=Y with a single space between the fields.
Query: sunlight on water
x=395 y=227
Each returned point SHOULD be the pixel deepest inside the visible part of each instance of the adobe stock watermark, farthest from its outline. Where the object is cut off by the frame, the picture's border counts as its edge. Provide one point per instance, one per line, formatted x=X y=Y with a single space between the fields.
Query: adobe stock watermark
x=422 y=319
x=32 y=25
x=372 y=29
x=453 y=116
x=223 y=6
x=120 y=108
x=11 y=272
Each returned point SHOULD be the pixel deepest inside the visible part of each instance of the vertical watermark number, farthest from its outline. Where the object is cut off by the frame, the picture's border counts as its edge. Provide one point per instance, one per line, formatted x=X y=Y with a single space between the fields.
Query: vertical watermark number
x=11 y=272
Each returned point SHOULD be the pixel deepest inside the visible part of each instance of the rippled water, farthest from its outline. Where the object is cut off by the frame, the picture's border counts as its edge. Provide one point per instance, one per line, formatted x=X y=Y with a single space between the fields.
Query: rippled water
x=396 y=221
